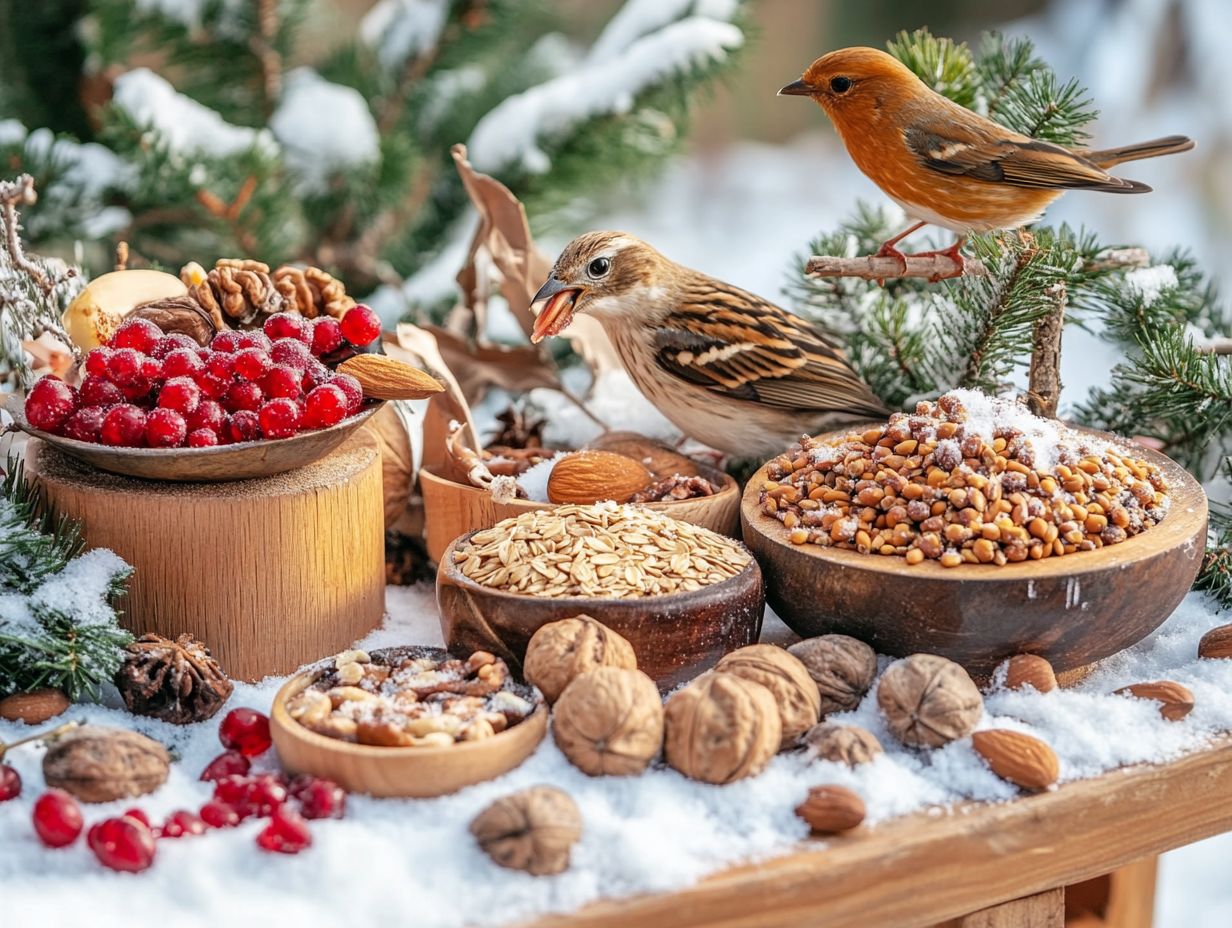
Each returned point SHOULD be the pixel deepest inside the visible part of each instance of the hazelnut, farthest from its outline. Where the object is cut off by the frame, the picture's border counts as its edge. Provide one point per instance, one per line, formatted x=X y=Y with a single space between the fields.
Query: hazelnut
x=721 y=728
x=928 y=701
x=842 y=667
x=609 y=721
x=560 y=651
x=787 y=679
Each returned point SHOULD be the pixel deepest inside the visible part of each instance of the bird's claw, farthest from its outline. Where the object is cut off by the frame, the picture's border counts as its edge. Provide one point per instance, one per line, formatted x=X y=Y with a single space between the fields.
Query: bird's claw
x=889 y=251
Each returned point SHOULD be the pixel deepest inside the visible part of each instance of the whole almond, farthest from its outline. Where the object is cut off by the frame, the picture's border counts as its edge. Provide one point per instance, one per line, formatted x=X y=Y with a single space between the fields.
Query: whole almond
x=1216 y=643
x=831 y=809
x=659 y=458
x=1021 y=759
x=1175 y=701
x=34 y=707
x=386 y=378
x=1023 y=670
x=590 y=476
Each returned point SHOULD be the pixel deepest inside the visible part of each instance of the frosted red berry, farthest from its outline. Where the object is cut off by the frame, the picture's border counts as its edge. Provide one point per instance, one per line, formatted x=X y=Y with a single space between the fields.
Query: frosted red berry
x=181 y=394
x=165 y=428
x=139 y=334
x=220 y=364
x=123 y=426
x=99 y=391
x=318 y=797
x=245 y=730
x=123 y=844
x=253 y=338
x=243 y=395
x=183 y=362
x=217 y=814
x=151 y=368
x=251 y=796
x=124 y=366
x=326 y=335
x=49 y=404
x=324 y=406
x=315 y=375
x=279 y=418
x=286 y=833
x=139 y=815
x=139 y=389
x=85 y=424
x=181 y=823
x=96 y=361
x=169 y=343
x=354 y=392
x=10 y=783
x=214 y=388
x=202 y=438
x=242 y=426
x=361 y=325
x=252 y=363
x=226 y=764
x=288 y=325
x=292 y=352
x=57 y=818
x=208 y=415
x=228 y=342
x=283 y=381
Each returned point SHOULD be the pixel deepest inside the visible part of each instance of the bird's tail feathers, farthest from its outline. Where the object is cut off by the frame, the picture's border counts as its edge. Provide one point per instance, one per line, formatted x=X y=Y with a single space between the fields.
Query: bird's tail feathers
x=1168 y=145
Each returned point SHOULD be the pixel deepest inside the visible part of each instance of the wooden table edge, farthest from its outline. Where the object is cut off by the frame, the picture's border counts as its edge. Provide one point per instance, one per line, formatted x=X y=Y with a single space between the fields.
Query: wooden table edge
x=923 y=869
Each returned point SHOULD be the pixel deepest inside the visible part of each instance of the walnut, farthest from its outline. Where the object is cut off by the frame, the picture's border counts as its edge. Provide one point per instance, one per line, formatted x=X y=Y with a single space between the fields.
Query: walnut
x=311 y=292
x=842 y=667
x=609 y=721
x=178 y=314
x=98 y=764
x=928 y=701
x=844 y=744
x=721 y=728
x=560 y=651
x=787 y=679
x=532 y=830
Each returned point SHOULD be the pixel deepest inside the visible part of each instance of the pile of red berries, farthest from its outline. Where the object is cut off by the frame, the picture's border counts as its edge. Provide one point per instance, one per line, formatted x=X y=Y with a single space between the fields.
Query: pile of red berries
x=127 y=842
x=147 y=389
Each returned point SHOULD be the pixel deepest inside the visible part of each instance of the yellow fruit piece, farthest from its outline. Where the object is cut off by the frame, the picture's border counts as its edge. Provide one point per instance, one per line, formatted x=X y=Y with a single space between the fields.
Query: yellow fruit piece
x=97 y=311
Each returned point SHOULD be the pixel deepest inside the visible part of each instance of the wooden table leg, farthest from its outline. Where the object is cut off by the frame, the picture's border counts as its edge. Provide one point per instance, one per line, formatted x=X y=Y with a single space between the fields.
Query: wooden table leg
x=1124 y=898
x=1043 y=910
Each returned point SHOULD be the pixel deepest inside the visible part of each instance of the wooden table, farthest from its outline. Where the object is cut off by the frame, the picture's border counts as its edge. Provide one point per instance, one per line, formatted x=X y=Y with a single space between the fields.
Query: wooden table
x=982 y=866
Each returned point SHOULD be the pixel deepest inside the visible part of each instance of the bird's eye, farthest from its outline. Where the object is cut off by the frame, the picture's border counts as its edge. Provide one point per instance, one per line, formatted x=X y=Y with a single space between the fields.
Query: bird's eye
x=840 y=84
x=599 y=267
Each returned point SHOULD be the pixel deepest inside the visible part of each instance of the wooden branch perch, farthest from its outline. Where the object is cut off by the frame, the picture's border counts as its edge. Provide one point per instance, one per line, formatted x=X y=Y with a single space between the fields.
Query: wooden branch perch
x=1044 y=376
x=872 y=267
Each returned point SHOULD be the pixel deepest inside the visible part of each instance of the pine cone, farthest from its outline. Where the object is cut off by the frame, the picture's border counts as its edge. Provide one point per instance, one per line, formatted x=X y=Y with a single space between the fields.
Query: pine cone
x=176 y=681
x=311 y=292
x=238 y=292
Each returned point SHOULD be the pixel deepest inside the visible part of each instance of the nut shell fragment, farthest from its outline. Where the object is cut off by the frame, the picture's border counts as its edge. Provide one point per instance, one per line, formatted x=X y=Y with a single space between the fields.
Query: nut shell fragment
x=609 y=721
x=928 y=701
x=533 y=830
x=721 y=728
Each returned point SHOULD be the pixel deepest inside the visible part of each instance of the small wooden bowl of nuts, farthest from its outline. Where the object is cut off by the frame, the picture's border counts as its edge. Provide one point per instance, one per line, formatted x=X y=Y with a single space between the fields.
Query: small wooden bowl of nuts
x=410 y=721
x=976 y=534
x=682 y=595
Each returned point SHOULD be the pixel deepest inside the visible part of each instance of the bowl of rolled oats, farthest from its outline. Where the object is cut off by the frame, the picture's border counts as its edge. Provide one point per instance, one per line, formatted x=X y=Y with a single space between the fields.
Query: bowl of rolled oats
x=409 y=721
x=975 y=530
x=682 y=595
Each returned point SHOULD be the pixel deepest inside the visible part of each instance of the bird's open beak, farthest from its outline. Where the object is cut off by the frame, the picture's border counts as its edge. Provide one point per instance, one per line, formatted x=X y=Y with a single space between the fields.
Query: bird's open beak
x=797 y=89
x=555 y=301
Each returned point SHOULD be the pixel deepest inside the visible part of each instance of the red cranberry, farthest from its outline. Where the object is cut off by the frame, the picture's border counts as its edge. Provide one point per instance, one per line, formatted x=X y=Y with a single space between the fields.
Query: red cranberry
x=10 y=783
x=139 y=815
x=202 y=438
x=286 y=833
x=316 y=375
x=99 y=391
x=219 y=815
x=124 y=844
x=180 y=823
x=326 y=335
x=139 y=389
x=123 y=426
x=165 y=428
x=227 y=342
x=139 y=334
x=96 y=361
x=85 y=424
x=214 y=388
x=252 y=363
x=220 y=364
x=282 y=381
x=251 y=795
x=243 y=395
x=183 y=362
x=242 y=426
x=169 y=343
x=279 y=418
x=288 y=325
x=354 y=392
x=361 y=325
x=325 y=406
x=151 y=369
x=254 y=338
x=207 y=415
x=57 y=818
x=226 y=764
x=245 y=730
x=124 y=366
x=318 y=797
x=181 y=394
x=49 y=404
x=292 y=352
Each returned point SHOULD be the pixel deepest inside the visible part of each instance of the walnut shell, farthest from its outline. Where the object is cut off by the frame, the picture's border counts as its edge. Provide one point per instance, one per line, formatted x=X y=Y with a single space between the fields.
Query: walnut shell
x=560 y=651
x=609 y=721
x=843 y=668
x=928 y=701
x=721 y=728
x=98 y=764
x=532 y=830
x=844 y=744
x=178 y=314
x=786 y=678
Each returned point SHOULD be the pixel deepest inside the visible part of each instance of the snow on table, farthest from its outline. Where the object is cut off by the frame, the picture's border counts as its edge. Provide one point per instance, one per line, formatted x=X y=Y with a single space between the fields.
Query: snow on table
x=413 y=861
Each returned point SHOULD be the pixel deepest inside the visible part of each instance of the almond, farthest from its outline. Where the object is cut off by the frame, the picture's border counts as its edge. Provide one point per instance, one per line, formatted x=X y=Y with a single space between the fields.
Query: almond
x=590 y=476
x=34 y=707
x=1021 y=759
x=831 y=809
x=386 y=378
x=1023 y=670
x=1175 y=701
x=660 y=459
x=1216 y=643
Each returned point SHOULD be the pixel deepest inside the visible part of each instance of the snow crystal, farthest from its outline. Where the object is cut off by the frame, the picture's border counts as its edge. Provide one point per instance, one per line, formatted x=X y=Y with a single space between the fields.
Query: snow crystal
x=324 y=128
x=534 y=480
x=185 y=125
x=986 y=414
x=399 y=29
x=1150 y=282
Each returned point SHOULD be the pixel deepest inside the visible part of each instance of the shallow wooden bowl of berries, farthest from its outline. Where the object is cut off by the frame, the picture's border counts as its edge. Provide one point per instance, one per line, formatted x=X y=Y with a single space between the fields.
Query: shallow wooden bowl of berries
x=417 y=772
x=675 y=636
x=240 y=461
x=1073 y=610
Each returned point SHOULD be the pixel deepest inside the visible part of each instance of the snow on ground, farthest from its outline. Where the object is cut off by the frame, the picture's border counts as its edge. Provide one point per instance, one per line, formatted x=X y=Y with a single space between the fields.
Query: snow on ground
x=656 y=832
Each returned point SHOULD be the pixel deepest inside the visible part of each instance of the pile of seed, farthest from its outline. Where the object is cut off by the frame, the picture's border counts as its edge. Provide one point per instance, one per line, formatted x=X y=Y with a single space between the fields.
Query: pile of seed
x=602 y=550
x=968 y=479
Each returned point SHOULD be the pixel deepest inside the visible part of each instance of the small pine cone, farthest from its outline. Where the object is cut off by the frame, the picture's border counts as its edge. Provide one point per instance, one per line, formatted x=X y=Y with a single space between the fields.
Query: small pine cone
x=311 y=292
x=176 y=681
x=238 y=292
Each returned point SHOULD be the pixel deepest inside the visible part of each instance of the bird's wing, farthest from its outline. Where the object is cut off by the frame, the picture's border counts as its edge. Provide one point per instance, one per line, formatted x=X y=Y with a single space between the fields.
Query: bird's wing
x=740 y=346
x=952 y=148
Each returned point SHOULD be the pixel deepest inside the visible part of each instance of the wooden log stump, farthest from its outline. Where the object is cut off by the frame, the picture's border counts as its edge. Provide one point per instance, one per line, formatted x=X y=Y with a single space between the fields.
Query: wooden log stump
x=269 y=573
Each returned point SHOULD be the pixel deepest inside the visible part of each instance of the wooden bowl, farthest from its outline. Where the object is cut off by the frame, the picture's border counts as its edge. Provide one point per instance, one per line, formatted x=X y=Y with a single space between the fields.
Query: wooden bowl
x=451 y=509
x=675 y=637
x=241 y=461
x=416 y=772
x=1072 y=610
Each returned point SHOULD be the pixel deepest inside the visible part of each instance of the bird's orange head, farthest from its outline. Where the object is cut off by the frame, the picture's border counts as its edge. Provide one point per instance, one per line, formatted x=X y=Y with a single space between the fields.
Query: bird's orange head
x=857 y=86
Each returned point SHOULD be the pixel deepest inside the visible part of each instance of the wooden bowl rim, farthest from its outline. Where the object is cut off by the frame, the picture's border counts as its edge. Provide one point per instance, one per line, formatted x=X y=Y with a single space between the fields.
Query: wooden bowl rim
x=449 y=570
x=1187 y=511
x=536 y=722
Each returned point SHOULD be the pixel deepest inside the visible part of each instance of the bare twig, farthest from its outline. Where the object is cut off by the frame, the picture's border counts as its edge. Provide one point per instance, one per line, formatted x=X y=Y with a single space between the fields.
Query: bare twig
x=1044 y=376
x=268 y=58
x=1116 y=258
x=888 y=267
x=15 y=193
x=121 y=256
x=1220 y=346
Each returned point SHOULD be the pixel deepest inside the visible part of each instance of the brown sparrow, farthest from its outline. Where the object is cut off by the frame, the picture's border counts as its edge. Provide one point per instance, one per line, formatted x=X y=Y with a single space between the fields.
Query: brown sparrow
x=727 y=367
